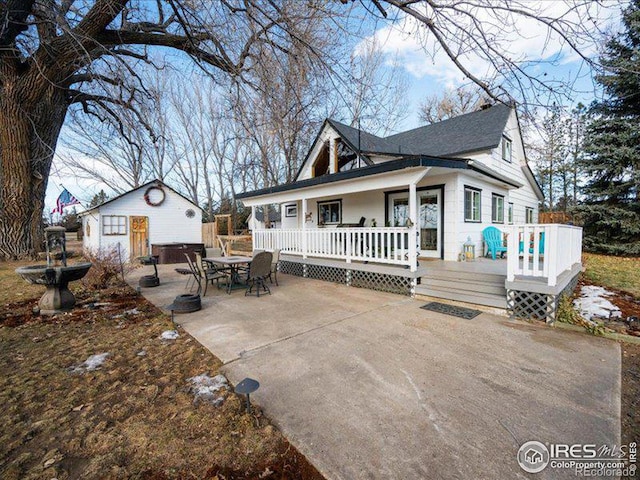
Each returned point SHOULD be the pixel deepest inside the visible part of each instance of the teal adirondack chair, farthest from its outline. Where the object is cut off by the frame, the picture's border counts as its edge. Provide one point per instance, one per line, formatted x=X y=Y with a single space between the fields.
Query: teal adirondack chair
x=493 y=241
x=540 y=245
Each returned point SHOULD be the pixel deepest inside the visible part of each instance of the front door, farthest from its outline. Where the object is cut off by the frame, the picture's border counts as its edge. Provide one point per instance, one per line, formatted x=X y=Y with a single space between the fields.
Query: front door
x=139 y=234
x=429 y=219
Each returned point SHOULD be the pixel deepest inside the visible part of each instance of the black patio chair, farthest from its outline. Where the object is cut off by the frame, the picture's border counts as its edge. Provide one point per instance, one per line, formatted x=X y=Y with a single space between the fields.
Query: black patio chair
x=187 y=273
x=275 y=265
x=195 y=274
x=209 y=273
x=259 y=270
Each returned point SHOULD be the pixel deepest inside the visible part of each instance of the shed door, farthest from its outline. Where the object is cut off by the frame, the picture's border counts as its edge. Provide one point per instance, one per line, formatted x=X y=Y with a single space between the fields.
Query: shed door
x=139 y=237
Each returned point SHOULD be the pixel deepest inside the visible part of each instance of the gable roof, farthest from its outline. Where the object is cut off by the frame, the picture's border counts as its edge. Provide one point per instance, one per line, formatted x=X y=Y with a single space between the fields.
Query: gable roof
x=471 y=132
x=479 y=130
x=359 y=138
x=146 y=185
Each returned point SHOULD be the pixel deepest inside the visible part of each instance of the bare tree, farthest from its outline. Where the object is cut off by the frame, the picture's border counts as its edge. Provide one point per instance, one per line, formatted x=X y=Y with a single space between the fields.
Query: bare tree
x=482 y=32
x=451 y=103
x=53 y=53
x=124 y=151
x=58 y=53
x=375 y=98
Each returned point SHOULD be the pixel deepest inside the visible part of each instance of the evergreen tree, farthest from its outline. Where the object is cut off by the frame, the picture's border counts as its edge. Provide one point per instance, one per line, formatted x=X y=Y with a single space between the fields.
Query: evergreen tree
x=550 y=156
x=611 y=212
x=98 y=199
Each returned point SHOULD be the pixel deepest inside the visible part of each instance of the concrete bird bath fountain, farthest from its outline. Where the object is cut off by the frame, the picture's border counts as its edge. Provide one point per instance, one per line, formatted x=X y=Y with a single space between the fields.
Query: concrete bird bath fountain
x=55 y=276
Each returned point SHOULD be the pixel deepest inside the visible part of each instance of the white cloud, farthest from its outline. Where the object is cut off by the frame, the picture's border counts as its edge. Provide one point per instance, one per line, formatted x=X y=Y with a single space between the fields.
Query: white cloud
x=519 y=38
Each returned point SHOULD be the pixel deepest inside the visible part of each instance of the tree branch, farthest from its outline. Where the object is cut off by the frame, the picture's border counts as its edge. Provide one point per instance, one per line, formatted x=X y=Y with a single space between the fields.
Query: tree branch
x=13 y=20
x=122 y=37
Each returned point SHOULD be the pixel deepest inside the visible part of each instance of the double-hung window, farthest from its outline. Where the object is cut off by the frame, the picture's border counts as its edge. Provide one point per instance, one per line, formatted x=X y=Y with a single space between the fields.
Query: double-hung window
x=497 y=208
x=529 y=215
x=506 y=148
x=472 y=204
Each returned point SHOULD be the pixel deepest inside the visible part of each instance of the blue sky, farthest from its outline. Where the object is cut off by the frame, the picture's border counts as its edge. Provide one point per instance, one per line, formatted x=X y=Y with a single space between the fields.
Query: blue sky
x=429 y=71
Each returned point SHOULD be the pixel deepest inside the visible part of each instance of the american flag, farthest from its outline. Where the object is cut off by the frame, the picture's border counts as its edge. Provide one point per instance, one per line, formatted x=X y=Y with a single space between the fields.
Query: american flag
x=65 y=199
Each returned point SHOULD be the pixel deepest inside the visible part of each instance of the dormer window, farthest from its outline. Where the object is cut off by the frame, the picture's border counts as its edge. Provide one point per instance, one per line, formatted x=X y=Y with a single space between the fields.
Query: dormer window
x=506 y=148
x=321 y=165
x=347 y=158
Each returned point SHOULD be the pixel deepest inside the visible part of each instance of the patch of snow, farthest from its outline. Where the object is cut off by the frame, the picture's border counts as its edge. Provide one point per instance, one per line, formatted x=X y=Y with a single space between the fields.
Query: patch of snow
x=133 y=311
x=205 y=388
x=95 y=361
x=169 y=335
x=90 y=364
x=593 y=303
x=141 y=353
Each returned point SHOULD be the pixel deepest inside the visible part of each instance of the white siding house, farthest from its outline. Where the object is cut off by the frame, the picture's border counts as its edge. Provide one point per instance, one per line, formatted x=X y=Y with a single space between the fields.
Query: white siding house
x=362 y=203
x=151 y=214
x=446 y=159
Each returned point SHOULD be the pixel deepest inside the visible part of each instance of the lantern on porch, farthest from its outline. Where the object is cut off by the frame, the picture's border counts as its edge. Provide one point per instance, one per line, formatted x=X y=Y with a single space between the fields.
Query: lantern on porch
x=469 y=250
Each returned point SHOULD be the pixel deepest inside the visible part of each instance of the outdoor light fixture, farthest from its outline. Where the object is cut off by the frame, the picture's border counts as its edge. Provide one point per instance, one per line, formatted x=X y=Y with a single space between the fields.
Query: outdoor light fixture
x=247 y=387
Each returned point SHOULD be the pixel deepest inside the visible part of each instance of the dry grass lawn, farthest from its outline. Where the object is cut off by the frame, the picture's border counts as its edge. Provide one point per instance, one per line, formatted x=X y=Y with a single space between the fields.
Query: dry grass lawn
x=620 y=273
x=134 y=417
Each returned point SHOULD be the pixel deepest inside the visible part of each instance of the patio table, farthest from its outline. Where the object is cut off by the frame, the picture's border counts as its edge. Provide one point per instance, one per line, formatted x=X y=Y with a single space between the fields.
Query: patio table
x=233 y=263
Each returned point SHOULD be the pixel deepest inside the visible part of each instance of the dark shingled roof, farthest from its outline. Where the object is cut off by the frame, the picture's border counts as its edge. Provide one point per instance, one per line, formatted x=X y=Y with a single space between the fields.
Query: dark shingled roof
x=480 y=130
x=359 y=138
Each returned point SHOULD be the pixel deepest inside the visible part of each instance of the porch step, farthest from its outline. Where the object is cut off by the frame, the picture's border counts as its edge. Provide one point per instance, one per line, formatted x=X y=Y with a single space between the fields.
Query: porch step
x=486 y=299
x=458 y=275
x=466 y=285
x=479 y=288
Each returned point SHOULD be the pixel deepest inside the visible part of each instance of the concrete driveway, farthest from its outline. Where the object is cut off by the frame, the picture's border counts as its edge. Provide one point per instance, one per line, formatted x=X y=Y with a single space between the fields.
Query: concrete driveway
x=368 y=385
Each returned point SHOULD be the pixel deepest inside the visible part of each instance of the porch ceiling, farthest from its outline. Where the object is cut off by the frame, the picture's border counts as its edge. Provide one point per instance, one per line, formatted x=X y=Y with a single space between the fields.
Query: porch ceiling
x=385 y=180
x=391 y=174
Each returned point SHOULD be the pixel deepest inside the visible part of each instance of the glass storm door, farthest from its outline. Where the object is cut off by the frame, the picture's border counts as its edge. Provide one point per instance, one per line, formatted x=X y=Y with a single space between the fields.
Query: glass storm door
x=429 y=223
x=429 y=219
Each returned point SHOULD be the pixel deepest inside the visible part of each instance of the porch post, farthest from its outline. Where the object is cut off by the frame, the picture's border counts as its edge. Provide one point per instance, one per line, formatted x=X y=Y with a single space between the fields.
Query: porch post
x=254 y=235
x=413 y=216
x=304 y=228
x=333 y=161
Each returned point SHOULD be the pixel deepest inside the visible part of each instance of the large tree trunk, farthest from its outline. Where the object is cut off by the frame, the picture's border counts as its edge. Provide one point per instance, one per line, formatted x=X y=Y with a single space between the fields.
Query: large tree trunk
x=28 y=138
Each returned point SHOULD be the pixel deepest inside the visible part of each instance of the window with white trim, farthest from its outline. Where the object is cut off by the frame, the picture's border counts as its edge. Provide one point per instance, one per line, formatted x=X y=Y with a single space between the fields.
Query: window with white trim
x=497 y=208
x=330 y=212
x=472 y=204
x=528 y=215
x=506 y=148
x=114 y=225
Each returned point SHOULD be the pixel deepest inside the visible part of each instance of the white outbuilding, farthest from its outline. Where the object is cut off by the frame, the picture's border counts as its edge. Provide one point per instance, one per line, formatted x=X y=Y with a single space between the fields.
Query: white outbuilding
x=153 y=214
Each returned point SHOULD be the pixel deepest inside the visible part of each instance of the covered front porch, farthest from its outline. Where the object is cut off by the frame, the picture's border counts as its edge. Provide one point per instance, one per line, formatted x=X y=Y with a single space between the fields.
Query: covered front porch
x=550 y=250
x=403 y=227
x=527 y=282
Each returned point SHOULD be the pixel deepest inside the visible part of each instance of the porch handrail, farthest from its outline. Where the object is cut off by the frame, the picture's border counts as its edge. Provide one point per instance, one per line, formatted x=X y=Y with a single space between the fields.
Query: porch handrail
x=376 y=244
x=542 y=250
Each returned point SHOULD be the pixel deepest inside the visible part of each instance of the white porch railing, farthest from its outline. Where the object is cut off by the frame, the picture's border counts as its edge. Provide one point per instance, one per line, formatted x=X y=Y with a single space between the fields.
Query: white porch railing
x=379 y=244
x=543 y=250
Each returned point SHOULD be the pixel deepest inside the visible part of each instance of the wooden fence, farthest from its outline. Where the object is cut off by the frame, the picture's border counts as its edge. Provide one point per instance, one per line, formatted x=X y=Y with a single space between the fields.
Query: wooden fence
x=555 y=217
x=209 y=235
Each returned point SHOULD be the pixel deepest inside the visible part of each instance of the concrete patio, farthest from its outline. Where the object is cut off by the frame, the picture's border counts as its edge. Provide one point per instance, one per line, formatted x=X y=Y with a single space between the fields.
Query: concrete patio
x=368 y=385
